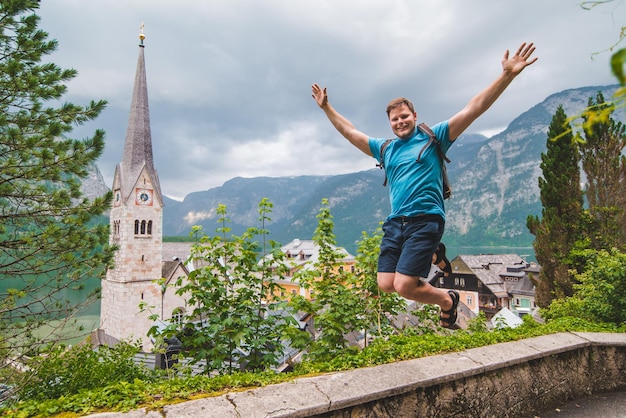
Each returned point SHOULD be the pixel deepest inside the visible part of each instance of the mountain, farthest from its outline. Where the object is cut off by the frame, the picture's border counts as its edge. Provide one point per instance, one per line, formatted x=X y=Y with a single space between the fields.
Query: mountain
x=494 y=184
x=93 y=185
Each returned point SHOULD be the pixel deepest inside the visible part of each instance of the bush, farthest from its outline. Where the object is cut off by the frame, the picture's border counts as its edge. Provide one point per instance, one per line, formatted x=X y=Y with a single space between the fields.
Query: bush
x=63 y=372
x=600 y=295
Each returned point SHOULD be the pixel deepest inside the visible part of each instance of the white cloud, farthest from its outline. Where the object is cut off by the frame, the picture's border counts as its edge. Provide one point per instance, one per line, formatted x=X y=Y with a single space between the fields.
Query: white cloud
x=229 y=81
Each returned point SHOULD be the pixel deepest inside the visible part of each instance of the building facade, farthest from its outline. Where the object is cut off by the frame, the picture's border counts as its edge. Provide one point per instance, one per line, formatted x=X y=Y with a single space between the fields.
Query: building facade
x=300 y=255
x=490 y=282
x=139 y=283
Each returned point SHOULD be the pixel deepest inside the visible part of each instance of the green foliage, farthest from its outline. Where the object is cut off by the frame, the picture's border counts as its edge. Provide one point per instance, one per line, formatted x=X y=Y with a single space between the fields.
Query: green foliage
x=408 y=346
x=126 y=395
x=336 y=303
x=604 y=163
x=562 y=201
x=478 y=323
x=601 y=293
x=229 y=326
x=618 y=62
x=63 y=372
x=377 y=305
x=49 y=245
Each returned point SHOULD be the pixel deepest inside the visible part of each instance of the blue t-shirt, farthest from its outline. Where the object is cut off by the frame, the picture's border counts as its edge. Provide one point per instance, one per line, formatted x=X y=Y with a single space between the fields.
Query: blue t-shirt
x=415 y=188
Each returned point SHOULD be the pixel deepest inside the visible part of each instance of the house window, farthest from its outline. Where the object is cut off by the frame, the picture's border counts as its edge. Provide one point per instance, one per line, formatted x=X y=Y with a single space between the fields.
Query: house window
x=143 y=227
x=136 y=227
x=469 y=300
x=149 y=227
x=177 y=315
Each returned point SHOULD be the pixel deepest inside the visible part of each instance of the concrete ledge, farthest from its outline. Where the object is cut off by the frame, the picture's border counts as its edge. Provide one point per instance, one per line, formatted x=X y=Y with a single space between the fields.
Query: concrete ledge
x=519 y=378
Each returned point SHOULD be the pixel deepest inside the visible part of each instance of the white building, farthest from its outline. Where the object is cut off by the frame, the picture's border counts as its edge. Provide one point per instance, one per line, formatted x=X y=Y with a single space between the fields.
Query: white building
x=141 y=274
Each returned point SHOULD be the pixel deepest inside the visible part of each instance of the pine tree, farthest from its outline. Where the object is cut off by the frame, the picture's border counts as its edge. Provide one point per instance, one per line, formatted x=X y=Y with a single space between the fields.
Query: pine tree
x=604 y=164
x=562 y=201
x=50 y=244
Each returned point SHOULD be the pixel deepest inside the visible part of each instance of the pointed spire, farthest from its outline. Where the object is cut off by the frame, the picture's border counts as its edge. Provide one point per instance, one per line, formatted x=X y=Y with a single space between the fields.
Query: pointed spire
x=138 y=145
x=141 y=36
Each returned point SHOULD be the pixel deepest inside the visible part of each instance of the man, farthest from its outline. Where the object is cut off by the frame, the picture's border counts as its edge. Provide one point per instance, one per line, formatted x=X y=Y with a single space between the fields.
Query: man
x=413 y=230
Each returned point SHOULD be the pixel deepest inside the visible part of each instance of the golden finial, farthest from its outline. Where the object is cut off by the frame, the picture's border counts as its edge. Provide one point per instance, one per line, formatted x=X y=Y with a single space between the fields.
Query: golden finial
x=141 y=35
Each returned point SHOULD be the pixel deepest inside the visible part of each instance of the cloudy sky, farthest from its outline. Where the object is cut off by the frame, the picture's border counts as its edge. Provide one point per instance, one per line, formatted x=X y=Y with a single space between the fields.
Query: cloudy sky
x=229 y=81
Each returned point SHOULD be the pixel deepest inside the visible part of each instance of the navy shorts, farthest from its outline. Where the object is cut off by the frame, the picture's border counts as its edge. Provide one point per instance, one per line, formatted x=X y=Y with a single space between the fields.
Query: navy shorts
x=408 y=244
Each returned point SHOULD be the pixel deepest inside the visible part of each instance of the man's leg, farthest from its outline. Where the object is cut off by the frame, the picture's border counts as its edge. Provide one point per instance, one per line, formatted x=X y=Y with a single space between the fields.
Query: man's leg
x=416 y=255
x=415 y=289
x=385 y=282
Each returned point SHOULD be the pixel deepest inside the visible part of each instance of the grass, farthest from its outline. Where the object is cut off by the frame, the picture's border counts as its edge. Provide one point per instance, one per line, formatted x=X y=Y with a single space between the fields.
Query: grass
x=125 y=396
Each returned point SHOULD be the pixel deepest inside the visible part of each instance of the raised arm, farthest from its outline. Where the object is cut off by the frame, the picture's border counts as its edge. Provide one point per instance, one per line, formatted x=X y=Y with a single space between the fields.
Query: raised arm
x=343 y=125
x=511 y=67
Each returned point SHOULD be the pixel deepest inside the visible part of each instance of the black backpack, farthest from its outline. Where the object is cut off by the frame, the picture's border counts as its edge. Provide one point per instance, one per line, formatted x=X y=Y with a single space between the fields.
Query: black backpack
x=447 y=191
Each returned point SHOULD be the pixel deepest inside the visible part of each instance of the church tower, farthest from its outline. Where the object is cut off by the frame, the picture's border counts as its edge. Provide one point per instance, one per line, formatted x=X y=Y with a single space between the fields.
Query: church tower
x=136 y=228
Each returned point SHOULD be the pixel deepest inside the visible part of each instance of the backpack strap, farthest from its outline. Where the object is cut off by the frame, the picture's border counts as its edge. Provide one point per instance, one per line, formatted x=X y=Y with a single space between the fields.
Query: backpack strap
x=447 y=191
x=433 y=139
x=381 y=165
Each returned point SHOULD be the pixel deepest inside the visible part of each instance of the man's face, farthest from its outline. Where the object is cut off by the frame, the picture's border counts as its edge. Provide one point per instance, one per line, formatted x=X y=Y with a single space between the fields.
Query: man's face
x=402 y=121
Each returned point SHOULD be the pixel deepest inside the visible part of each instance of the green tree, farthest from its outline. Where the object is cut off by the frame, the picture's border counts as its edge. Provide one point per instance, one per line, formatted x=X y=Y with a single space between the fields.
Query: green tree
x=230 y=326
x=378 y=306
x=604 y=164
x=49 y=242
x=335 y=304
x=562 y=200
x=600 y=294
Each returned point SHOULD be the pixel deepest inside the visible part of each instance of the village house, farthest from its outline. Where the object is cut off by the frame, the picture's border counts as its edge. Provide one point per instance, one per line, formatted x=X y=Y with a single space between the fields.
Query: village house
x=302 y=255
x=490 y=282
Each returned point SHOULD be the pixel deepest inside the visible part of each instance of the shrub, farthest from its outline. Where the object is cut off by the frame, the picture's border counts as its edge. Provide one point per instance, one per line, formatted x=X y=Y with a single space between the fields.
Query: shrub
x=63 y=372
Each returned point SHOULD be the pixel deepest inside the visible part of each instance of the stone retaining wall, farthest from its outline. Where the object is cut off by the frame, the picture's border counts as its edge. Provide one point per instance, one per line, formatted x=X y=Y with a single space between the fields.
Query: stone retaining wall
x=515 y=379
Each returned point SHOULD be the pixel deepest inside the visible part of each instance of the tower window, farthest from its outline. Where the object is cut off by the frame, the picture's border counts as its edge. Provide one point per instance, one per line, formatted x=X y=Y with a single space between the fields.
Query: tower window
x=116 y=228
x=143 y=227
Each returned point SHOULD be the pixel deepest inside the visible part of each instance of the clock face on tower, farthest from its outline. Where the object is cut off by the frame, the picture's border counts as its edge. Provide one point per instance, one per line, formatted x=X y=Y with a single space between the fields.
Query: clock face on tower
x=143 y=197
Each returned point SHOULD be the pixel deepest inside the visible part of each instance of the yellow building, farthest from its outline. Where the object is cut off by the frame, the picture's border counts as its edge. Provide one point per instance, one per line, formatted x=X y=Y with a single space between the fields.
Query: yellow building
x=301 y=255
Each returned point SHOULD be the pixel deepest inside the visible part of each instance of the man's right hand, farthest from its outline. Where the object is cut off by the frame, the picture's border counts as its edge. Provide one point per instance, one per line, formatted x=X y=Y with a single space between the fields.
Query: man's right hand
x=343 y=125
